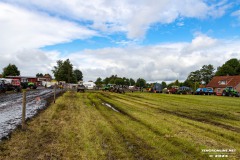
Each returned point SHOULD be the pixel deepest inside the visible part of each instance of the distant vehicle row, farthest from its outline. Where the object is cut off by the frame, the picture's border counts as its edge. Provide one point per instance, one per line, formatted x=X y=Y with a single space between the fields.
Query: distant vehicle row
x=14 y=85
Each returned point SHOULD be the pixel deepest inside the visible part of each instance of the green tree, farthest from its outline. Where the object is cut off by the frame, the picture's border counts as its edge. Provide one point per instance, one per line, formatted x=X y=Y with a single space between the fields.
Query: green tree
x=99 y=82
x=225 y=70
x=207 y=73
x=238 y=69
x=78 y=74
x=64 y=71
x=193 y=80
x=194 y=76
x=176 y=83
x=39 y=75
x=106 y=80
x=140 y=82
x=231 y=68
x=118 y=81
x=164 y=84
x=126 y=81
x=10 y=70
x=132 y=82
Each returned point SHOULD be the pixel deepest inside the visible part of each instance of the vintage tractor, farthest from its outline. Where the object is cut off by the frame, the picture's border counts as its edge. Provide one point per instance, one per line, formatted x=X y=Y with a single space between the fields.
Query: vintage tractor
x=173 y=90
x=230 y=91
x=2 y=87
x=184 y=90
x=108 y=87
x=81 y=88
x=12 y=84
x=30 y=85
x=119 y=88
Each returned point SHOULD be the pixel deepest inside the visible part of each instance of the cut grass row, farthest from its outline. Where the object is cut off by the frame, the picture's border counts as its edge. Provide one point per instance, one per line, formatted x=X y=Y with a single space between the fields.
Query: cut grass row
x=202 y=133
x=147 y=126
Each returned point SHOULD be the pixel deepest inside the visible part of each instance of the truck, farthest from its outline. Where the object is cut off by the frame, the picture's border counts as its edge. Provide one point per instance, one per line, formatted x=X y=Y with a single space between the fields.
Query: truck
x=230 y=91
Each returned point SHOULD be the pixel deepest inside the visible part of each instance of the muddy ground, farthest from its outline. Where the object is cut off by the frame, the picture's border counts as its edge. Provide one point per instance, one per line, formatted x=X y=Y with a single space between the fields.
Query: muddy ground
x=11 y=108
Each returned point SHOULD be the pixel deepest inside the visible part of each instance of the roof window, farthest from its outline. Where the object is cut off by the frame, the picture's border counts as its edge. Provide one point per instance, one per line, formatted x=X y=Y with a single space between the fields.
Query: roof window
x=222 y=82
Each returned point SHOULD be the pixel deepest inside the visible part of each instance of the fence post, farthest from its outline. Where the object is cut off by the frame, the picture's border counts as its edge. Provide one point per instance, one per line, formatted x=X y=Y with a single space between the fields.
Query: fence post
x=24 y=110
x=54 y=93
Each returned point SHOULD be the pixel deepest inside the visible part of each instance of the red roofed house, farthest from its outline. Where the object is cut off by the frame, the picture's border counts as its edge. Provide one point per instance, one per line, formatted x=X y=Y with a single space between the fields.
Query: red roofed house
x=218 y=83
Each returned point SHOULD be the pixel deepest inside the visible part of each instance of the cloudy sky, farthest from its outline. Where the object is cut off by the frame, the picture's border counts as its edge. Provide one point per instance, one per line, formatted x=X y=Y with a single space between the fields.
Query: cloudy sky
x=158 y=40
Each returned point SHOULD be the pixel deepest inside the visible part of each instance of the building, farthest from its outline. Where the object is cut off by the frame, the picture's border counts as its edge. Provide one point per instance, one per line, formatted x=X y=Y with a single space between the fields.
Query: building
x=24 y=78
x=218 y=83
x=42 y=80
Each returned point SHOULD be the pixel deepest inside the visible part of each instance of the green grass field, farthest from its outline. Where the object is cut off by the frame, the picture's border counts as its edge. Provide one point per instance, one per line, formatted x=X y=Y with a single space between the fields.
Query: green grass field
x=142 y=126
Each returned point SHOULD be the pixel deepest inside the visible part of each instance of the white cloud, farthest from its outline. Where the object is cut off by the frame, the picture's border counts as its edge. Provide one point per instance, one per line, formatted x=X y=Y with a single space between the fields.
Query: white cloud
x=32 y=61
x=167 y=61
x=132 y=17
x=29 y=25
x=158 y=62
x=23 y=29
x=236 y=13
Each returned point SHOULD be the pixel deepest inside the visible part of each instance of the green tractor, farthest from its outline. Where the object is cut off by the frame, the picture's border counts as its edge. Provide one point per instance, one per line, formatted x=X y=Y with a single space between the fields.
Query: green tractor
x=108 y=87
x=30 y=85
x=230 y=91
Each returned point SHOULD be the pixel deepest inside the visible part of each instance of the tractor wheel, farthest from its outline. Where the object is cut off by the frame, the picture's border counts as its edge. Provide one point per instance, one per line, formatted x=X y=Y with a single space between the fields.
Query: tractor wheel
x=15 y=90
x=224 y=93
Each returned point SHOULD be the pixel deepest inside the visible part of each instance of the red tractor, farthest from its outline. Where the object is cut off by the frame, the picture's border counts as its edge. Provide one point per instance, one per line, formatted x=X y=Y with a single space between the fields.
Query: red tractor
x=173 y=89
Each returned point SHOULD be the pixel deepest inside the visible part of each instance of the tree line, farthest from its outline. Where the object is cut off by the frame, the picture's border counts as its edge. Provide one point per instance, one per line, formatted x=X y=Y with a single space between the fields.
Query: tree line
x=64 y=71
x=114 y=79
x=195 y=78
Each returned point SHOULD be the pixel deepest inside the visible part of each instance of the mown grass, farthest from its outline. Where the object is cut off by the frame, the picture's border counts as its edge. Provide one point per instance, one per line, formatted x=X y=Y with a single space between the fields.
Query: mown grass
x=147 y=126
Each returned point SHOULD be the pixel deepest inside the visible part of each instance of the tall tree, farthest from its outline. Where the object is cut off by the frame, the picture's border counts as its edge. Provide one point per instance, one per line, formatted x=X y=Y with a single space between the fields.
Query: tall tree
x=132 y=82
x=195 y=76
x=207 y=73
x=119 y=81
x=64 y=71
x=99 y=82
x=141 y=82
x=164 y=84
x=231 y=68
x=11 y=70
x=177 y=83
x=39 y=75
x=106 y=80
x=78 y=74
